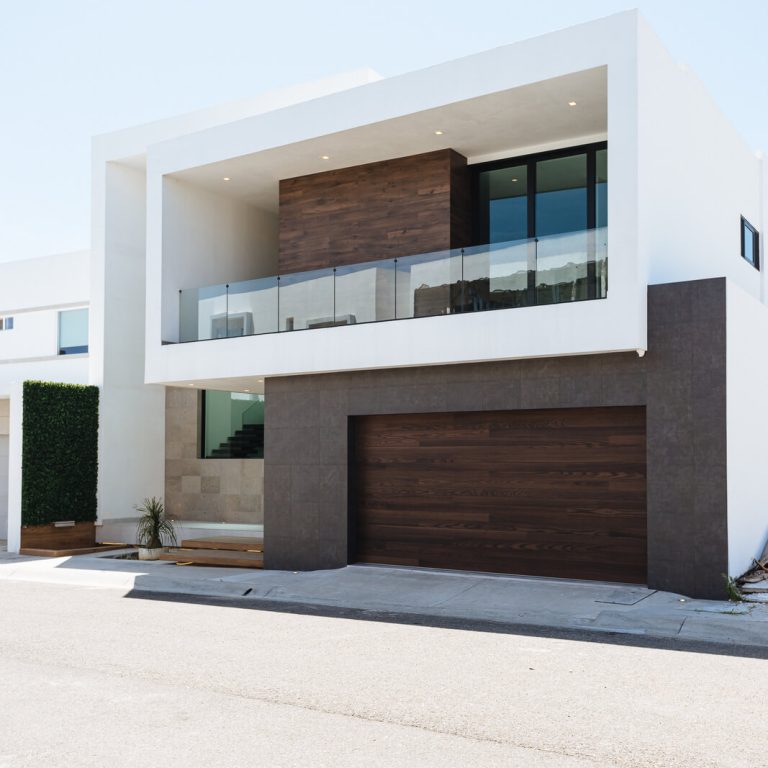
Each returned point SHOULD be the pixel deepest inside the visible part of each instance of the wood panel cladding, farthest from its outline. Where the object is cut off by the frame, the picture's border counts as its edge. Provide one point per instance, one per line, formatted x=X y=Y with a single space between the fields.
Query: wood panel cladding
x=381 y=210
x=558 y=492
x=78 y=536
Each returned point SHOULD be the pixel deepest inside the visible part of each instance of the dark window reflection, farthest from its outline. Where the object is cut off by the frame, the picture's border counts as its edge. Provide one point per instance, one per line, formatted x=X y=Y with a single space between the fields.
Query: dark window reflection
x=503 y=195
x=561 y=195
x=601 y=188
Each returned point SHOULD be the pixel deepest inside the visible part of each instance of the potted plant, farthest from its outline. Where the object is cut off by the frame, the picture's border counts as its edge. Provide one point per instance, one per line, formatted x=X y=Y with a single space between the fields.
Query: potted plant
x=153 y=527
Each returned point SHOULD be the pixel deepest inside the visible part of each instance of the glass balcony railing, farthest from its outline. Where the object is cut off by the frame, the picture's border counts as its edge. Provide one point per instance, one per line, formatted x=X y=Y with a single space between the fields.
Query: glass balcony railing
x=548 y=270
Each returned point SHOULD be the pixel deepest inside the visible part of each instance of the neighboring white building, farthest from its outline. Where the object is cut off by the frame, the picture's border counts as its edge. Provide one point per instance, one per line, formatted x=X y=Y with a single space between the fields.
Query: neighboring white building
x=599 y=422
x=43 y=336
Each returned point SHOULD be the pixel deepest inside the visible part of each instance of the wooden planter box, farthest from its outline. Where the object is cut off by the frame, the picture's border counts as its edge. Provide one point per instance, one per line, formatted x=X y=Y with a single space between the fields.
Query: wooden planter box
x=53 y=541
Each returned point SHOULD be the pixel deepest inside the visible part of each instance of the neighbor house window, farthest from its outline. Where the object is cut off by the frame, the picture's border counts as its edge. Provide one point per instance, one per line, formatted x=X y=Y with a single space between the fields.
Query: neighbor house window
x=6 y=323
x=232 y=425
x=750 y=243
x=73 y=331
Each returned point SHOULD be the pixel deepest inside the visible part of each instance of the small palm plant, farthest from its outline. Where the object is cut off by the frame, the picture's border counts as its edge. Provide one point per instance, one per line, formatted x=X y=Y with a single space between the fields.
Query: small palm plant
x=153 y=525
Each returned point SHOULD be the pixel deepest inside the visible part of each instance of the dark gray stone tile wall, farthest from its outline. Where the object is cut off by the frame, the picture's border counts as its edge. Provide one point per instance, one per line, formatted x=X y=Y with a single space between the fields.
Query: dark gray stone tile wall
x=681 y=381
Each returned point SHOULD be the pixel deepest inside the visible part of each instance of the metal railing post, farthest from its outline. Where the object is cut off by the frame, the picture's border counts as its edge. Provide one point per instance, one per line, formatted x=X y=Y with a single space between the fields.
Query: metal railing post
x=226 y=308
x=395 y=317
x=533 y=267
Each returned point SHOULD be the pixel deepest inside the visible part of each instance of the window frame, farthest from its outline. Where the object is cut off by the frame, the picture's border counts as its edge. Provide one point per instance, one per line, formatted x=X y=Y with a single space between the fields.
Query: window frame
x=481 y=220
x=755 y=260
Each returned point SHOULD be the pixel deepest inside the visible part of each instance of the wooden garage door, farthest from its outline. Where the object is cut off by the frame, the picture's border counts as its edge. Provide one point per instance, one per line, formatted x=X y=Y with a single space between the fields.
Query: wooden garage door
x=548 y=492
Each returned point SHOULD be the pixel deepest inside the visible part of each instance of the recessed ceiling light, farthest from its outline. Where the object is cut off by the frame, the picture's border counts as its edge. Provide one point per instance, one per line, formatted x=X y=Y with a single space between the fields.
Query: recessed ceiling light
x=325 y=157
x=247 y=390
x=438 y=133
x=514 y=179
x=571 y=103
x=226 y=178
x=190 y=385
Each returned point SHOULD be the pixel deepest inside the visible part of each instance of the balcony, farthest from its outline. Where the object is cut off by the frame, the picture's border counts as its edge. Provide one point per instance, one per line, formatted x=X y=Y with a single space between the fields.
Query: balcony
x=548 y=270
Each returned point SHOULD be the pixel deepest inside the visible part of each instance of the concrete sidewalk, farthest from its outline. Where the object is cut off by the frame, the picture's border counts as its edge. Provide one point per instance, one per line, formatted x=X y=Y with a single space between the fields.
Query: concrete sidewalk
x=420 y=595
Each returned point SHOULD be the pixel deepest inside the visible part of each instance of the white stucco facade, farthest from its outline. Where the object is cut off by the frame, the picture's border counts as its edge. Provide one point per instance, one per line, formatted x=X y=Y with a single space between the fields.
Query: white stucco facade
x=192 y=202
x=189 y=204
x=33 y=292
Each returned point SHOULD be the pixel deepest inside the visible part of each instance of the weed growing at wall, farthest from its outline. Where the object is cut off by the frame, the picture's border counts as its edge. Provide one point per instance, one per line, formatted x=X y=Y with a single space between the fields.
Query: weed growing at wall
x=60 y=453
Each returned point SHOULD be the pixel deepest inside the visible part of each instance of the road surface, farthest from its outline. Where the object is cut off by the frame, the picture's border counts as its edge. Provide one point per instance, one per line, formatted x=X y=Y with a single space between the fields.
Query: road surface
x=91 y=677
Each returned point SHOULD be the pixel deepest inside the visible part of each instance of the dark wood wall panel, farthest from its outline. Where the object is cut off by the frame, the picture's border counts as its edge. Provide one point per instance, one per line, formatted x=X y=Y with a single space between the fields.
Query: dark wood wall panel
x=558 y=492
x=382 y=210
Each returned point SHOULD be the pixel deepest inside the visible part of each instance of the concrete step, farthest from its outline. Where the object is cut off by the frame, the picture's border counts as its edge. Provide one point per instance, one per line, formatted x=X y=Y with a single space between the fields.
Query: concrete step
x=231 y=543
x=214 y=557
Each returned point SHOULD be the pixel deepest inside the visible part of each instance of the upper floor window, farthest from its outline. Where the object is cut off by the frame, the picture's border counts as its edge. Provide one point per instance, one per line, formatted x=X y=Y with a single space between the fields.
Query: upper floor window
x=750 y=243
x=551 y=193
x=6 y=323
x=73 y=331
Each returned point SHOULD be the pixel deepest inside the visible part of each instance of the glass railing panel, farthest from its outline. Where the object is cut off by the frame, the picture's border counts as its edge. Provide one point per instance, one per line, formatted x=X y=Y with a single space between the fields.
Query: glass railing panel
x=563 y=271
x=306 y=300
x=496 y=276
x=512 y=266
x=203 y=313
x=429 y=284
x=253 y=307
x=365 y=293
x=601 y=262
x=555 y=269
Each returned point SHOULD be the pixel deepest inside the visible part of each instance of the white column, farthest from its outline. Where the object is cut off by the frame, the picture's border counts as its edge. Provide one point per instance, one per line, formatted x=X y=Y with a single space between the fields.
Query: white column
x=15 y=440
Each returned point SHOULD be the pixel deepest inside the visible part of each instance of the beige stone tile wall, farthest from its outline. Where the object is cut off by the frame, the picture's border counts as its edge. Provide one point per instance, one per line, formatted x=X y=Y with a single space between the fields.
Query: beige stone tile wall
x=206 y=490
x=5 y=410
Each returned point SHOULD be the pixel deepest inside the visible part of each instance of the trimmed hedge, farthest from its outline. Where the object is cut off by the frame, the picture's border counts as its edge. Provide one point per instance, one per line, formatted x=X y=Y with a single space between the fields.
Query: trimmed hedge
x=60 y=453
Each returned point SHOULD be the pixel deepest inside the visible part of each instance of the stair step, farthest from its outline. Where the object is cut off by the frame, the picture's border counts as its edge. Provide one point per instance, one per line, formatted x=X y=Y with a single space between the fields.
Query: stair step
x=215 y=557
x=231 y=543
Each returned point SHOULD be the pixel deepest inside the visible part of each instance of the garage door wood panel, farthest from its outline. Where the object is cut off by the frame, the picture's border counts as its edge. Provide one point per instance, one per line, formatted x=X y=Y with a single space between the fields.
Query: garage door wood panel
x=550 y=492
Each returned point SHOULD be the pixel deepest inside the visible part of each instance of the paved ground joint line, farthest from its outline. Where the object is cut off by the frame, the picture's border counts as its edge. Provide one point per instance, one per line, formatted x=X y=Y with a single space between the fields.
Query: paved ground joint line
x=453 y=597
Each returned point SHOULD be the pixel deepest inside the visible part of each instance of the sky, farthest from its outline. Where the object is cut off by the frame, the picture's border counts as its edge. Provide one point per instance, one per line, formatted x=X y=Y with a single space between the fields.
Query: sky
x=71 y=69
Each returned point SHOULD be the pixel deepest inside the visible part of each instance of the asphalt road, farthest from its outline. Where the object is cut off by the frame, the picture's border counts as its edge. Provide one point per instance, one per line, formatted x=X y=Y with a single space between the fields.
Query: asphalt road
x=89 y=677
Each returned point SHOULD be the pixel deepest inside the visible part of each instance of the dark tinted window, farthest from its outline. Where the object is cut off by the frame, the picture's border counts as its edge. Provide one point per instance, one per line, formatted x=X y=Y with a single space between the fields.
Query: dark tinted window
x=750 y=243
x=503 y=193
x=561 y=195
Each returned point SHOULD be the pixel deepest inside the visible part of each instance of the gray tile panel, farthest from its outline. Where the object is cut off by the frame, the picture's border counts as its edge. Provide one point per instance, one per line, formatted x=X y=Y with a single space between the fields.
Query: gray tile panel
x=681 y=381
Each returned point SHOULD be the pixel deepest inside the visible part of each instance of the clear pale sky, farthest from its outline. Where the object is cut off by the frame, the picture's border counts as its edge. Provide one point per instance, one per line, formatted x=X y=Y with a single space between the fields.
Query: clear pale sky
x=70 y=69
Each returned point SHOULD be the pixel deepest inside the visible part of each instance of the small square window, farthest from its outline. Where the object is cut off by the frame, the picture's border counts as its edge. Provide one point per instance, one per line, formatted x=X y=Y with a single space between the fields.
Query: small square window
x=750 y=243
x=6 y=323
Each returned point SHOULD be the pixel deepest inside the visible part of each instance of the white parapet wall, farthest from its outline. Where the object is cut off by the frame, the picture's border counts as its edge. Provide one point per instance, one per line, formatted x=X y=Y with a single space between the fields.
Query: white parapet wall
x=747 y=425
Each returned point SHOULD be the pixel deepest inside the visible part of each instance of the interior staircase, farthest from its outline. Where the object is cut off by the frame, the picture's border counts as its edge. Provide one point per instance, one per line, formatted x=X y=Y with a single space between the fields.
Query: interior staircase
x=246 y=443
x=233 y=551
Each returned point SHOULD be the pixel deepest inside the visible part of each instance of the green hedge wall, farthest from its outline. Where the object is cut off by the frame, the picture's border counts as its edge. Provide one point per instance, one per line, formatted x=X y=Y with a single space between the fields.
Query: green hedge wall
x=60 y=453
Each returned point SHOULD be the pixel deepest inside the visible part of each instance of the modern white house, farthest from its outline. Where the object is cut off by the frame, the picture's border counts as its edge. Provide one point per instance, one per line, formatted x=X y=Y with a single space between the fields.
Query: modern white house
x=43 y=336
x=501 y=314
